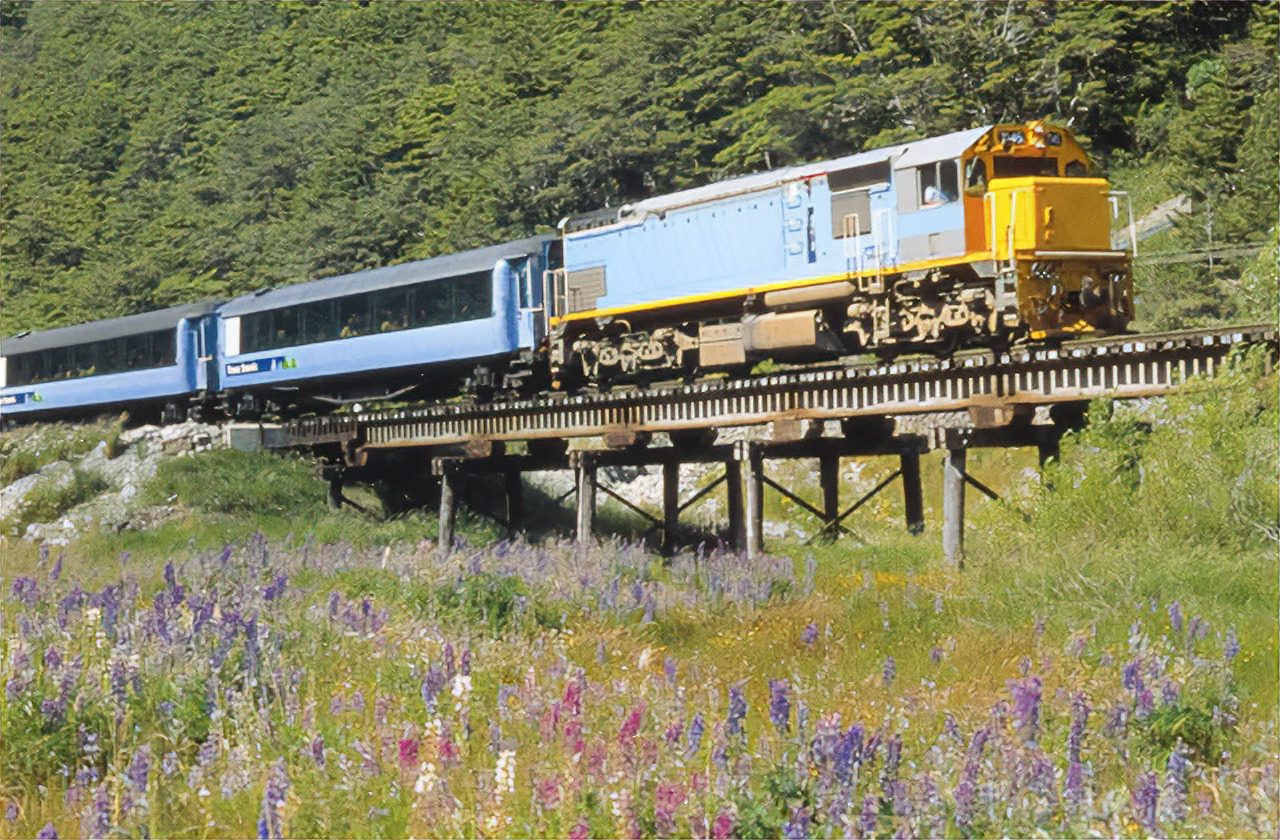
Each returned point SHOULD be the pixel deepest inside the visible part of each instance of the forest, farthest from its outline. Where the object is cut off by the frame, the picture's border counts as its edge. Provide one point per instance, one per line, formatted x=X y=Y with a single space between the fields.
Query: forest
x=162 y=153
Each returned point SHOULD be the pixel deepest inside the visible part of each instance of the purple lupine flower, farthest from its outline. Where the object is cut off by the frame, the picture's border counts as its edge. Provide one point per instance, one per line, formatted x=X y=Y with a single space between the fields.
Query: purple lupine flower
x=56 y=571
x=432 y=683
x=669 y=669
x=26 y=590
x=935 y=654
x=967 y=789
x=848 y=752
x=1230 y=648
x=1175 y=617
x=809 y=634
x=870 y=816
x=1074 y=790
x=317 y=750
x=892 y=758
x=52 y=658
x=53 y=709
x=47 y=833
x=1170 y=692
x=1026 y=706
x=1040 y=626
x=335 y=600
x=696 y=728
x=650 y=607
x=1145 y=800
x=1131 y=674
x=737 y=711
x=450 y=662
x=11 y=811
x=797 y=827
x=1175 y=785
x=889 y=670
x=273 y=798
x=780 y=705
x=276 y=588
x=1145 y=703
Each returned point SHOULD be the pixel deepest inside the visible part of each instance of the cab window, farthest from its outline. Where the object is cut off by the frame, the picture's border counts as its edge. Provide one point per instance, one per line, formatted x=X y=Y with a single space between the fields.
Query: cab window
x=939 y=183
x=1021 y=167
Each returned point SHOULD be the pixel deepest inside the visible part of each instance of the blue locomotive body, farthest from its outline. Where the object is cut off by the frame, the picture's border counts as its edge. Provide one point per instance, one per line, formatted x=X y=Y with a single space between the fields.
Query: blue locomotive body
x=159 y=359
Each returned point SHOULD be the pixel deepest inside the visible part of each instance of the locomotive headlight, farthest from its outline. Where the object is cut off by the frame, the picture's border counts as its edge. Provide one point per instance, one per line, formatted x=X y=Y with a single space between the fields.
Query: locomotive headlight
x=1013 y=138
x=1054 y=138
x=1044 y=271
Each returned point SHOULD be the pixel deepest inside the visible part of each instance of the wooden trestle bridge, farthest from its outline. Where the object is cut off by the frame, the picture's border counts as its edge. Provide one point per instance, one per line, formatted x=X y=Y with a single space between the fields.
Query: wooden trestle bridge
x=826 y=414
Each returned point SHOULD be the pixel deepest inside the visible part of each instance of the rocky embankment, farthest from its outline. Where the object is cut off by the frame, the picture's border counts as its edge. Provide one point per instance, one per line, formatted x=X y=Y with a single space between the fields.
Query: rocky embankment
x=119 y=470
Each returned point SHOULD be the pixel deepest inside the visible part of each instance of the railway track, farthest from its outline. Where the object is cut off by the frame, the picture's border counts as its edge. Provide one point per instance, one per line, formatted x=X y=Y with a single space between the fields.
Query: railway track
x=1128 y=366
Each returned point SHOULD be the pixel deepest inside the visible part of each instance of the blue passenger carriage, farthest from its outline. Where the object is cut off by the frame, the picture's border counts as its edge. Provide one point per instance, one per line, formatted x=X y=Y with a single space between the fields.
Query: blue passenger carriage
x=155 y=363
x=419 y=328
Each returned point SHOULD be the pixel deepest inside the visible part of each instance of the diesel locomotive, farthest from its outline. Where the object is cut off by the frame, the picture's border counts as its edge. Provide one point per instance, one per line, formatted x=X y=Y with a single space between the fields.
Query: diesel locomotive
x=976 y=238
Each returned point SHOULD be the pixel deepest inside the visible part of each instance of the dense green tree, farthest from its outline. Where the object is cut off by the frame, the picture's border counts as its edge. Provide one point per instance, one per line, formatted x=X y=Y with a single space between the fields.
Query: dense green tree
x=163 y=152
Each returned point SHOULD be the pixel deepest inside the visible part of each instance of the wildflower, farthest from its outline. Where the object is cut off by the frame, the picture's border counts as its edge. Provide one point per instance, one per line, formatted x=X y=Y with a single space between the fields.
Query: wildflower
x=669 y=669
x=275 y=589
x=11 y=811
x=779 y=705
x=722 y=826
x=47 y=833
x=580 y=831
x=1026 y=706
x=737 y=711
x=408 y=748
x=273 y=798
x=631 y=725
x=889 y=670
x=696 y=728
x=1175 y=616
x=1230 y=648
x=1145 y=800
x=56 y=571
x=847 y=753
x=504 y=773
x=25 y=590
x=797 y=827
x=1175 y=785
x=937 y=604
x=967 y=790
x=869 y=817
x=1170 y=692
x=546 y=793
x=667 y=799
x=427 y=779
x=935 y=654
x=1074 y=791
x=809 y=634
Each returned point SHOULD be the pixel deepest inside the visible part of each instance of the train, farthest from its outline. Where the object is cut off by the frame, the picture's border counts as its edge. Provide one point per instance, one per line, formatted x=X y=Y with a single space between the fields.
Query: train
x=984 y=237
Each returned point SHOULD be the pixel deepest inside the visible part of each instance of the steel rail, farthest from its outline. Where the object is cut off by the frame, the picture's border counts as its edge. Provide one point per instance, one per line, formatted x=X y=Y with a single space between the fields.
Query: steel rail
x=1128 y=366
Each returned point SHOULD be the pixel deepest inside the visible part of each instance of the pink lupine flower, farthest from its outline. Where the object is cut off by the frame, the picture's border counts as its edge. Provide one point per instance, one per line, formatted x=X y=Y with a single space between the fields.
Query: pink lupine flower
x=581 y=831
x=722 y=826
x=631 y=725
x=408 y=752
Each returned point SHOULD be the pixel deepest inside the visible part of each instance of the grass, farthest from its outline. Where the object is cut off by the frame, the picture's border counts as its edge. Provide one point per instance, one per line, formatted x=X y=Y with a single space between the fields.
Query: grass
x=50 y=499
x=25 y=451
x=335 y=635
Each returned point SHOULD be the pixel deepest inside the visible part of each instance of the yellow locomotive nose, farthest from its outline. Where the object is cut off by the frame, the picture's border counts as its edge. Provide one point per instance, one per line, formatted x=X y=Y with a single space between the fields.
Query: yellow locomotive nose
x=1052 y=236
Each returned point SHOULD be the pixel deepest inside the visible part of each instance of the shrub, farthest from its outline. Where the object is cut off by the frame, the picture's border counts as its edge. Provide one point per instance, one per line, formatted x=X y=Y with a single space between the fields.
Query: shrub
x=234 y=482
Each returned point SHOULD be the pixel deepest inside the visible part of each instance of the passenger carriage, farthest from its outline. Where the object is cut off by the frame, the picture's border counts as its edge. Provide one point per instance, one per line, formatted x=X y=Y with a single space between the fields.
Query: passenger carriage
x=419 y=328
x=154 y=364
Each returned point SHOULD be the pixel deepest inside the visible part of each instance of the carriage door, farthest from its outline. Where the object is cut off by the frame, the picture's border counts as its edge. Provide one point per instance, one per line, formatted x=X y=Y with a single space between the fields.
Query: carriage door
x=799 y=236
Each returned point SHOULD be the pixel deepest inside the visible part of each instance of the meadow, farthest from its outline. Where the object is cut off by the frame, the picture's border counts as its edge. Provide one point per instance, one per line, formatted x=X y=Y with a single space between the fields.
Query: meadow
x=1105 y=664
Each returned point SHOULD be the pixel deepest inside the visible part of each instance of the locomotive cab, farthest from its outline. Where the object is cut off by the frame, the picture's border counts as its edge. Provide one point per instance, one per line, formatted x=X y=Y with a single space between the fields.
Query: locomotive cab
x=1031 y=204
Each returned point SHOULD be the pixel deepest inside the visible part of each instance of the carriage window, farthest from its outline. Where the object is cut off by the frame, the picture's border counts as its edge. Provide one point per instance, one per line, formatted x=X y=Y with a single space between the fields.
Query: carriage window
x=1075 y=169
x=112 y=355
x=436 y=302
